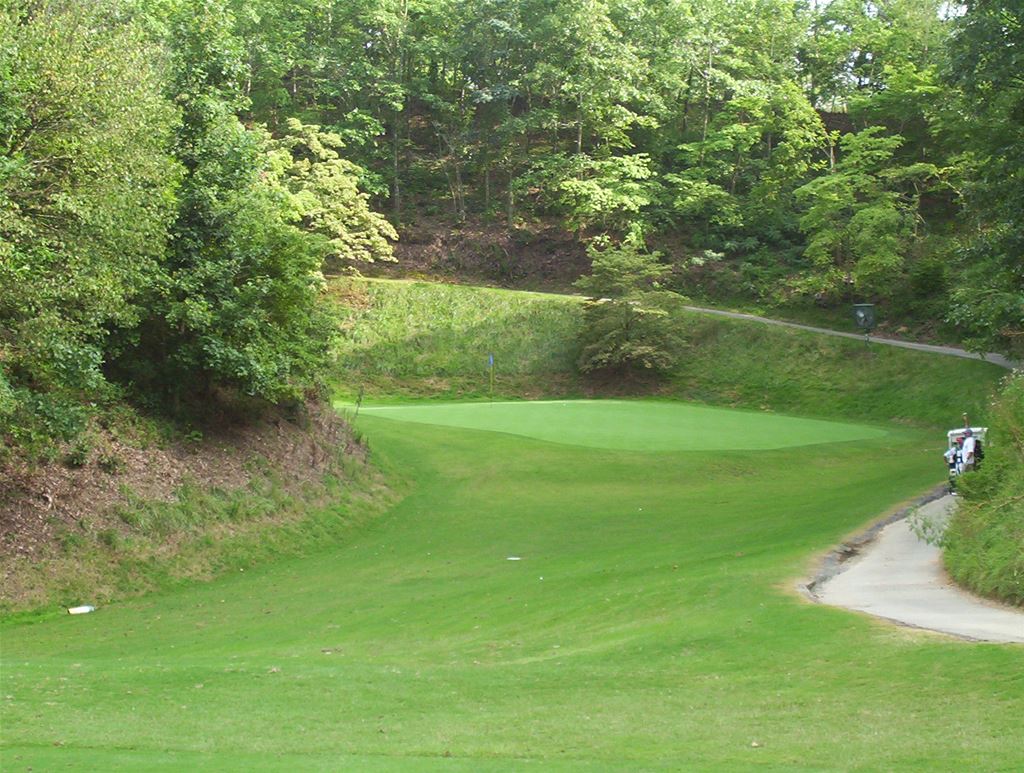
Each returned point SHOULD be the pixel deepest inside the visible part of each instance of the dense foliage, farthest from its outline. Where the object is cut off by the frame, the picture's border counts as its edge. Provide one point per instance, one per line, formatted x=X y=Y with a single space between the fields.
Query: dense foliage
x=86 y=197
x=797 y=152
x=150 y=241
x=985 y=542
x=987 y=59
x=175 y=174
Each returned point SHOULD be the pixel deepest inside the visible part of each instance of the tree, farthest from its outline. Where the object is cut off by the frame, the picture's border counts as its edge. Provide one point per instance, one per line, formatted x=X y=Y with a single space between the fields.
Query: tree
x=238 y=301
x=857 y=220
x=86 y=196
x=627 y=321
x=987 y=59
x=325 y=198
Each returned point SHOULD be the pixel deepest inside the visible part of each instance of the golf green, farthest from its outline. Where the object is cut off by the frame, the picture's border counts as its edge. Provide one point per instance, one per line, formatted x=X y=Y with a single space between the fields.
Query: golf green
x=633 y=425
x=533 y=605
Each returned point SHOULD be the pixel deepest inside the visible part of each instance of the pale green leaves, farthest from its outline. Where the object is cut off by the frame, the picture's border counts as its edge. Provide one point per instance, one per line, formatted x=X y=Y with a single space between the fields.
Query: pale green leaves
x=324 y=195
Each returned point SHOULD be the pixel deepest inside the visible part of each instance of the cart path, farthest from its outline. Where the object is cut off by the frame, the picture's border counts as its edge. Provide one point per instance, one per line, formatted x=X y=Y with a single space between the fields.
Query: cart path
x=900 y=577
x=949 y=351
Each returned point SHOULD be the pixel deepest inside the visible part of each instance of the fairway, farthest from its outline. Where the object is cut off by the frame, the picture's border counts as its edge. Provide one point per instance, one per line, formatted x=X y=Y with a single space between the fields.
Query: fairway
x=649 y=622
x=633 y=425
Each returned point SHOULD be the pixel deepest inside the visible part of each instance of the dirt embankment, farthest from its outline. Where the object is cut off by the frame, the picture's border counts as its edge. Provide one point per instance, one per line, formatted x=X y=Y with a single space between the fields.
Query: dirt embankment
x=536 y=257
x=56 y=511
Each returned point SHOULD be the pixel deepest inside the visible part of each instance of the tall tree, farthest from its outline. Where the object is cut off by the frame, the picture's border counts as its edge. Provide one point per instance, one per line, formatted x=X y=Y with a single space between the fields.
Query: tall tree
x=237 y=301
x=987 y=62
x=86 y=196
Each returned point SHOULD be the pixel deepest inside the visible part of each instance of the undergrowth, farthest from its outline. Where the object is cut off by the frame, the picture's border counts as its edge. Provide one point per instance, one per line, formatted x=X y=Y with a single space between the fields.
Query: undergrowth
x=985 y=541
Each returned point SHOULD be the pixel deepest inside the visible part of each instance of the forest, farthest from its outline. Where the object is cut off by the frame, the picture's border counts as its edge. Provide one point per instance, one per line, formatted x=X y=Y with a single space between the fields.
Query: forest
x=176 y=176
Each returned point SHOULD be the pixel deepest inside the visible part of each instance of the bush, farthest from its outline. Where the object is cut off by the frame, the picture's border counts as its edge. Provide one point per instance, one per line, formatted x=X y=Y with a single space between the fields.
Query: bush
x=985 y=541
x=627 y=325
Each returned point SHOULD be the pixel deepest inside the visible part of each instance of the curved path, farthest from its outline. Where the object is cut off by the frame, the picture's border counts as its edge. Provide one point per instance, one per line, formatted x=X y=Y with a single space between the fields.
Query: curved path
x=949 y=351
x=900 y=577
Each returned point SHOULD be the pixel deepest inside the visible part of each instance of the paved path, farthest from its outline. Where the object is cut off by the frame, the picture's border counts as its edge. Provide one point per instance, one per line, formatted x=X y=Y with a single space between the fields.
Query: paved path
x=950 y=351
x=900 y=577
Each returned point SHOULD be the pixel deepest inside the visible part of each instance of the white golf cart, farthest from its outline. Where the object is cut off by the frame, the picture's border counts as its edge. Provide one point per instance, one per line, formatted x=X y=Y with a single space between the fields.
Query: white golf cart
x=954 y=442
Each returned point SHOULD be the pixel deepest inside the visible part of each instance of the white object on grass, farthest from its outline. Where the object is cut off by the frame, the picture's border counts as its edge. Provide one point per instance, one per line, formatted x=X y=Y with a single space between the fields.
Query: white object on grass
x=83 y=610
x=513 y=558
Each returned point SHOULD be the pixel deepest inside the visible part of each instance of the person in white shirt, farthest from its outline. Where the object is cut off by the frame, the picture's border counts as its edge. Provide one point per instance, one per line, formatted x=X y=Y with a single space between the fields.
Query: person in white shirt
x=950 y=456
x=968 y=450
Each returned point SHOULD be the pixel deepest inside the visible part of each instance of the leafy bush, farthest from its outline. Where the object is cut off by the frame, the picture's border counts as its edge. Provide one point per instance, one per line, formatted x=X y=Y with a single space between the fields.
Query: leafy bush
x=985 y=541
x=85 y=198
x=627 y=324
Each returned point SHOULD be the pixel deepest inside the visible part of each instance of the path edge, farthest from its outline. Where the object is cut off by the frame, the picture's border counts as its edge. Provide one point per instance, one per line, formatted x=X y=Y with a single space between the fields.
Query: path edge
x=835 y=561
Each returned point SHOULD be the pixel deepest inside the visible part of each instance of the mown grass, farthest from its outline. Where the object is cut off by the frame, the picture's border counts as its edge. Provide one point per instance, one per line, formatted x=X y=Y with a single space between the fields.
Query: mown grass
x=420 y=340
x=650 y=624
x=984 y=546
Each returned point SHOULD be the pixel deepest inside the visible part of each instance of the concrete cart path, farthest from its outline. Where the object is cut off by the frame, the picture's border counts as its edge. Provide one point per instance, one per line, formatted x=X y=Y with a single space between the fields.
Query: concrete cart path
x=900 y=577
x=949 y=351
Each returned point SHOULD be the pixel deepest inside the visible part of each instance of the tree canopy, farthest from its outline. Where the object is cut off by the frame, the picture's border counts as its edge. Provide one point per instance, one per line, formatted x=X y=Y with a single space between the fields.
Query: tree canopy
x=175 y=175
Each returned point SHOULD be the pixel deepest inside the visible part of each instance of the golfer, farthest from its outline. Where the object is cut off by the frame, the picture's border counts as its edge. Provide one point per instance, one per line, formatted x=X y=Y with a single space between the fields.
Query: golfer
x=970 y=444
x=951 y=455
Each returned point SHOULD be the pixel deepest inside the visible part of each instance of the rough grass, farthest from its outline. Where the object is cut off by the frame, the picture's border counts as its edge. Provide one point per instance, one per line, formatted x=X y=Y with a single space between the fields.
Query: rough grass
x=984 y=546
x=421 y=340
x=649 y=625
x=198 y=534
x=418 y=339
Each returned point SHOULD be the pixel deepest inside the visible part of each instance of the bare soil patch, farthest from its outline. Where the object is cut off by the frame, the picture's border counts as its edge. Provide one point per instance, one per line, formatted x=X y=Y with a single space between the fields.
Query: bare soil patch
x=534 y=256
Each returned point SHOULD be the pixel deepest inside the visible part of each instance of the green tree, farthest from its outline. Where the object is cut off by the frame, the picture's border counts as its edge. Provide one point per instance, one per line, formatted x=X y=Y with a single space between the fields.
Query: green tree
x=325 y=198
x=86 y=196
x=987 y=59
x=627 y=318
x=237 y=304
x=857 y=220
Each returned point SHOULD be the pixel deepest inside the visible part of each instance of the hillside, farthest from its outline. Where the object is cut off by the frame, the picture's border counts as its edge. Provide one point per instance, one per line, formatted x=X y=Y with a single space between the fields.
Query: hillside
x=416 y=339
x=128 y=510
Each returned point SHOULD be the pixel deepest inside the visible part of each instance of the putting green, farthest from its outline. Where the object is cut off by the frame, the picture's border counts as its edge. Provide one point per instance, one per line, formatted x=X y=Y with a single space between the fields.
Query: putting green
x=633 y=425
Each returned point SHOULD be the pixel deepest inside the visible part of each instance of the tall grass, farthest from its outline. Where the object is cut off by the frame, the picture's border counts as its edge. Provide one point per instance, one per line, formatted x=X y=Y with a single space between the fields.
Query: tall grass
x=414 y=339
x=985 y=541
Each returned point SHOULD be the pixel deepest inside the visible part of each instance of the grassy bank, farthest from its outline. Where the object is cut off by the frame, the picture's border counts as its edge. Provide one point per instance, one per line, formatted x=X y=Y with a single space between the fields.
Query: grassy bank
x=985 y=541
x=129 y=517
x=418 y=339
x=415 y=339
x=200 y=533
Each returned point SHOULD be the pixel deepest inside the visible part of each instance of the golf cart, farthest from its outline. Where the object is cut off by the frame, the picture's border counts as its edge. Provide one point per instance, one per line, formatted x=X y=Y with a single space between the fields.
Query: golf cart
x=954 y=442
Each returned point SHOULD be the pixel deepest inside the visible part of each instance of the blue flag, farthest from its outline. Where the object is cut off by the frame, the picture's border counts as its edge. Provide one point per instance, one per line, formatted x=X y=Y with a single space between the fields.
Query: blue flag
x=490 y=360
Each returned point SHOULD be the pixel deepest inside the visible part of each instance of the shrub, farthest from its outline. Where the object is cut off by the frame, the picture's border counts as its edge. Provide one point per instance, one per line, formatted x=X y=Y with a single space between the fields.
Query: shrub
x=985 y=541
x=627 y=324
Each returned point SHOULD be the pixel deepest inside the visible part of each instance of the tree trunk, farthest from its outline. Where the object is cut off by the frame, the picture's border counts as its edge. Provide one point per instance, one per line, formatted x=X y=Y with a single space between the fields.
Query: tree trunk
x=396 y=188
x=707 y=100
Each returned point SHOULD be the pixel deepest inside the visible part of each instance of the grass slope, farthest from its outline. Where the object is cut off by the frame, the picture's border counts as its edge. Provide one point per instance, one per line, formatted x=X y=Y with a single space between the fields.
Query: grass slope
x=415 y=340
x=648 y=625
